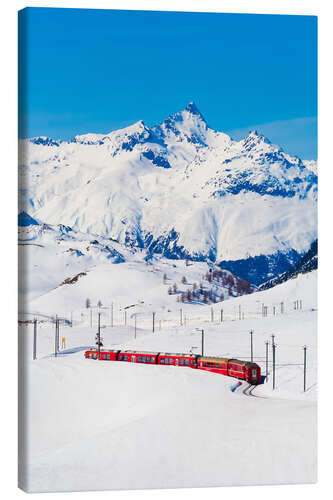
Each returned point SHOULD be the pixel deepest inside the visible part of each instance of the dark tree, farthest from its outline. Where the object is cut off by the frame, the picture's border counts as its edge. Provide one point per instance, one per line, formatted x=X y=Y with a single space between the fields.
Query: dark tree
x=184 y=280
x=88 y=303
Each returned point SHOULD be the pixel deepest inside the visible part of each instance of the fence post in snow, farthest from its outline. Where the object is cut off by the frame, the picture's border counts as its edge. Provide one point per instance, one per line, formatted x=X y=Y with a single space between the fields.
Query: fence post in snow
x=35 y=339
x=181 y=316
x=221 y=315
x=211 y=314
x=282 y=307
x=154 y=322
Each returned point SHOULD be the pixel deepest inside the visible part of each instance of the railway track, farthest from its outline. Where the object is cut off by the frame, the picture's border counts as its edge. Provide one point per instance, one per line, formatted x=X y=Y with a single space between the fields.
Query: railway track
x=247 y=391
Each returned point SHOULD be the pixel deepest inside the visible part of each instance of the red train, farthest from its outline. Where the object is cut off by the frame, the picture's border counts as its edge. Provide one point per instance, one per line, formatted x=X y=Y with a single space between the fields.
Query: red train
x=243 y=370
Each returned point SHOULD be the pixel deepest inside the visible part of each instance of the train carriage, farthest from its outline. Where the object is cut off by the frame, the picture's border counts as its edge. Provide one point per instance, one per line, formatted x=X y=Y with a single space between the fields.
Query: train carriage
x=213 y=364
x=138 y=357
x=177 y=359
x=105 y=354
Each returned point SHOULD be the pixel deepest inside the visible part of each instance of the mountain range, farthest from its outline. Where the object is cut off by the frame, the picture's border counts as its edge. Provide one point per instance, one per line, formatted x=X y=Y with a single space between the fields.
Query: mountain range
x=179 y=189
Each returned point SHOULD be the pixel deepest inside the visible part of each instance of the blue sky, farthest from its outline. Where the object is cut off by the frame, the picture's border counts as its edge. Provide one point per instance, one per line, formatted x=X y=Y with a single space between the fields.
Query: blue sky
x=99 y=70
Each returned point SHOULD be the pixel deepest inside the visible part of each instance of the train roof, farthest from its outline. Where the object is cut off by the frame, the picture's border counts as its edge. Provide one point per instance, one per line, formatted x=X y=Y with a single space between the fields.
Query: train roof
x=102 y=349
x=213 y=358
x=179 y=354
x=139 y=352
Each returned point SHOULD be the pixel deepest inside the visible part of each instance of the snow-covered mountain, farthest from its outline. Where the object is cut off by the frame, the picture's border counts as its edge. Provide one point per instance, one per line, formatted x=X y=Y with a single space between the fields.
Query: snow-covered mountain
x=179 y=189
x=54 y=258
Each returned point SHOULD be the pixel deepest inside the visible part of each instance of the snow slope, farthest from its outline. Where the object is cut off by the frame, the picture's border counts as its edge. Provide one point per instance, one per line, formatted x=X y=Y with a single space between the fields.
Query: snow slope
x=98 y=425
x=179 y=189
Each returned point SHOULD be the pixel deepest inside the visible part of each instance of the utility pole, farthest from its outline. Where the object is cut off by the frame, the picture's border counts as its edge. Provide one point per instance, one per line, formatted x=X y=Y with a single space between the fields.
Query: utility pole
x=125 y=317
x=282 y=308
x=99 y=336
x=35 y=339
x=181 y=316
x=211 y=314
x=251 y=335
x=300 y=304
x=154 y=322
x=221 y=315
x=202 y=342
x=274 y=347
x=304 y=368
x=267 y=343
x=56 y=337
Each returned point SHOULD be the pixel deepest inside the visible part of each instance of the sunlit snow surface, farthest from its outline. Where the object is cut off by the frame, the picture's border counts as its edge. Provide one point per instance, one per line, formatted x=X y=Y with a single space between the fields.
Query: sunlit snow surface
x=116 y=425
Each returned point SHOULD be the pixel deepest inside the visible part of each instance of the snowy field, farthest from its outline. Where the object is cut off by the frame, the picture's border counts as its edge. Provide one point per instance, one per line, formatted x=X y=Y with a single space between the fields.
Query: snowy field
x=94 y=425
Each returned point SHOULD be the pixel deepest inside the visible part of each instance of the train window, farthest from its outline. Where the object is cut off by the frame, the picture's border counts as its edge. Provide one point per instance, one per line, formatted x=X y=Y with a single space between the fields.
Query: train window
x=187 y=362
x=181 y=362
x=171 y=361
x=162 y=361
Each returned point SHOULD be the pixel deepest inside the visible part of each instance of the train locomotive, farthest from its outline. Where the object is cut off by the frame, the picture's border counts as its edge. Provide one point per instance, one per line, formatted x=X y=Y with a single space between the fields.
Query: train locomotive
x=243 y=370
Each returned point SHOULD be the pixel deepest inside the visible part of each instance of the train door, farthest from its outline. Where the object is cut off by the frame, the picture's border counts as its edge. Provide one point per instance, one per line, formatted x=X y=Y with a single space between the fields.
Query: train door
x=177 y=362
x=133 y=358
x=254 y=374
